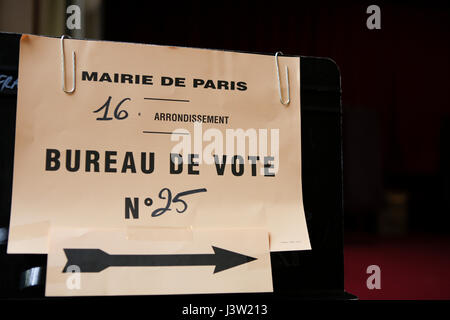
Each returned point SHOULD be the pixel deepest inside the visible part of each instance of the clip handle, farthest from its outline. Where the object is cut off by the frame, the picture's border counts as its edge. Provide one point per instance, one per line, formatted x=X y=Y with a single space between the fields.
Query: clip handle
x=279 y=81
x=63 y=68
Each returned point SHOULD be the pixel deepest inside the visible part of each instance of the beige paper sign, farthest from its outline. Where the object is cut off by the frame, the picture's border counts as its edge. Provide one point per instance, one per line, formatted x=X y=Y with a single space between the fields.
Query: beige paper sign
x=140 y=262
x=109 y=154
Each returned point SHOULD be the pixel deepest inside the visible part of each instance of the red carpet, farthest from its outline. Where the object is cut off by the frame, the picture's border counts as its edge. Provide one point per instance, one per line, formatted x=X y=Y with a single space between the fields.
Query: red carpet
x=413 y=267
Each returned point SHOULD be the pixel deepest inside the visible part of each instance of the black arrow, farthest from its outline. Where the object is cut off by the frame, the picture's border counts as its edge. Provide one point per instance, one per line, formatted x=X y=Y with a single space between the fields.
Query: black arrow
x=96 y=260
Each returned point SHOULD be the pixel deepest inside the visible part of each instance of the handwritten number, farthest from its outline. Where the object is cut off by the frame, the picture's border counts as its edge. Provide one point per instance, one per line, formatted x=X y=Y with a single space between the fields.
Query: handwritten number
x=176 y=199
x=160 y=211
x=122 y=114
x=106 y=107
x=118 y=114
x=185 y=193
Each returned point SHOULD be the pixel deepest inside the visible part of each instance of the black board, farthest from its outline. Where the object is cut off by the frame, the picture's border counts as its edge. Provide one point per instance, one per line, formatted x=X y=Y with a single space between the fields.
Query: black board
x=315 y=274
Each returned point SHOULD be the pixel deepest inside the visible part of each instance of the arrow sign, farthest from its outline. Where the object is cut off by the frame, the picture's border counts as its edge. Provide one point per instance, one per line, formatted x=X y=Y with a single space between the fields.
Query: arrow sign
x=96 y=260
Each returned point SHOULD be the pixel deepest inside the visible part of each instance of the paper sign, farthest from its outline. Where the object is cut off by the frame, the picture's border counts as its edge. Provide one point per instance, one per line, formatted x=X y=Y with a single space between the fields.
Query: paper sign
x=114 y=262
x=155 y=137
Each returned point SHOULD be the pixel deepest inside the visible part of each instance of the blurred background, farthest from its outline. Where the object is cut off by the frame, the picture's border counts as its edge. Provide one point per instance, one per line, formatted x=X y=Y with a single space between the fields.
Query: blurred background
x=395 y=95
